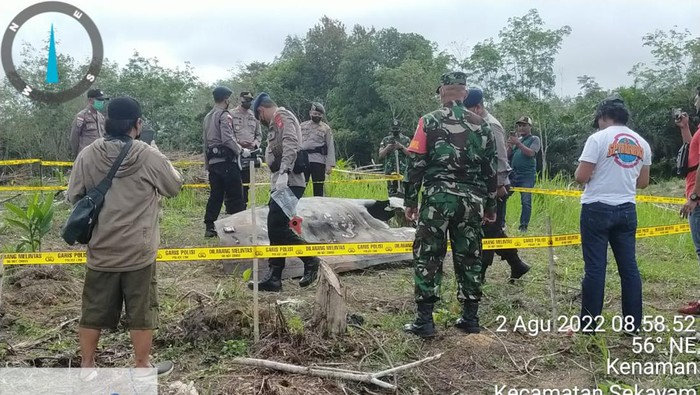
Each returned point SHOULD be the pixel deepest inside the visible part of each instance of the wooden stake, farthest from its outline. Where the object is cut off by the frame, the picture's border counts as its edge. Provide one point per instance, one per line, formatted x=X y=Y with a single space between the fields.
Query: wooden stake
x=256 y=317
x=552 y=271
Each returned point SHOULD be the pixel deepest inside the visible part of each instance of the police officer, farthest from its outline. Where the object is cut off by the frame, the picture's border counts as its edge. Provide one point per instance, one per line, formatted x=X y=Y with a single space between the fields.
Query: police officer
x=454 y=158
x=283 y=143
x=475 y=103
x=393 y=149
x=221 y=155
x=246 y=130
x=318 y=142
x=89 y=123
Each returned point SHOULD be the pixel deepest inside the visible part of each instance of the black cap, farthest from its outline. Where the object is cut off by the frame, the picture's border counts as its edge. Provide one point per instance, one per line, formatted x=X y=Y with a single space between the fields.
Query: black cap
x=123 y=108
x=474 y=97
x=395 y=124
x=221 y=93
x=96 y=94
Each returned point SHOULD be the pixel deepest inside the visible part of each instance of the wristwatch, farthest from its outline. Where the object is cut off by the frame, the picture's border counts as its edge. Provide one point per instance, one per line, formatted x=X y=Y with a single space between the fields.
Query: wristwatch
x=694 y=197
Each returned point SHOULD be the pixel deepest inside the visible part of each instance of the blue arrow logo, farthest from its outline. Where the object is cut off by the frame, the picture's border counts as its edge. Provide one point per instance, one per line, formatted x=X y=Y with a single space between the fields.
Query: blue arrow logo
x=52 y=67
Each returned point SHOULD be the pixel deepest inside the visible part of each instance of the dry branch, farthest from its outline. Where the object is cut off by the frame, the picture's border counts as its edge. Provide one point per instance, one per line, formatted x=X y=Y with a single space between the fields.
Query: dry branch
x=369 y=378
x=331 y=310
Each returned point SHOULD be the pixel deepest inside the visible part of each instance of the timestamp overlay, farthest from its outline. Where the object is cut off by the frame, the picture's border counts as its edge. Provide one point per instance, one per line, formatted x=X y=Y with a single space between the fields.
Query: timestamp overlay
x=661 y=357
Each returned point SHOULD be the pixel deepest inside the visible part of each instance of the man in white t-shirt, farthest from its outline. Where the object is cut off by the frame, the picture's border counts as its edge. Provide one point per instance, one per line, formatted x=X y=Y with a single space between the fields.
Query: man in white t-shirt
x=614 y=163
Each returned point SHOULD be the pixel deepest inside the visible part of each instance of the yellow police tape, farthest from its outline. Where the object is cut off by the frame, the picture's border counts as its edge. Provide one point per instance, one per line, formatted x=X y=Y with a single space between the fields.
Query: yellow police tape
x=575 y=193
x=196 y=186
x=19 y=162
x=390 y=247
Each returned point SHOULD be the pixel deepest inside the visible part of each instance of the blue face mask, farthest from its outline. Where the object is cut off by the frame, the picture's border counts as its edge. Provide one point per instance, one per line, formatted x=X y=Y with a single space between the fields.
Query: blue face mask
x=99 y=105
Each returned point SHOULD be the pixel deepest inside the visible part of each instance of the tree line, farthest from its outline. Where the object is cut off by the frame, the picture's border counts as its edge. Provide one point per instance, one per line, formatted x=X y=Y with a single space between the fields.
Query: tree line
x=365 y=77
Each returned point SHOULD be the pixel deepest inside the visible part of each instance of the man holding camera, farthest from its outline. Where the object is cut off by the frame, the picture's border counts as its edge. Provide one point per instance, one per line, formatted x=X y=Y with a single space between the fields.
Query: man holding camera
x=317 y=141
x=691 y=209
x=121 y=254
x=393 y=149
x=283 y=144
x=246 y=130
x=221 y=157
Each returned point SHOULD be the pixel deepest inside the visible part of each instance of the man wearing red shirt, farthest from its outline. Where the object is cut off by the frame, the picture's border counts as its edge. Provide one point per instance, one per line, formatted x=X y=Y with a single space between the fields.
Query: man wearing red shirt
x=691 y=209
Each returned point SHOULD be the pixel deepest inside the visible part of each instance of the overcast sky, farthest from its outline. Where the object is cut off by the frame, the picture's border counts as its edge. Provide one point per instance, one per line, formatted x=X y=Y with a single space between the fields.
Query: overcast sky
x=215 y=36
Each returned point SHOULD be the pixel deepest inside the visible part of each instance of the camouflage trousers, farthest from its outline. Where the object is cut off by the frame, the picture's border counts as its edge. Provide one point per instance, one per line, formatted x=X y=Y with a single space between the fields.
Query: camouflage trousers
x=439 y=214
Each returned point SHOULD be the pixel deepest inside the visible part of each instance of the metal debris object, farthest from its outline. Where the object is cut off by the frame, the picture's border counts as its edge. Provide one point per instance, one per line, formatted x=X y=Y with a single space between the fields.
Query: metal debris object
x=325 y=220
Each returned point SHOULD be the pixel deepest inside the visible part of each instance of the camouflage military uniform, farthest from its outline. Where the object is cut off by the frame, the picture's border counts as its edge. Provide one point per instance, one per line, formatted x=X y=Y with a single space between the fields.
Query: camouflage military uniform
x=453 y=158
x=390 y=160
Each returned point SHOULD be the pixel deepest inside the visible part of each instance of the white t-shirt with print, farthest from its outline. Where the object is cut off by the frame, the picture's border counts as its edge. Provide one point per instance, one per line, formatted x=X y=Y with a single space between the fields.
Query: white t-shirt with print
x=618 y=153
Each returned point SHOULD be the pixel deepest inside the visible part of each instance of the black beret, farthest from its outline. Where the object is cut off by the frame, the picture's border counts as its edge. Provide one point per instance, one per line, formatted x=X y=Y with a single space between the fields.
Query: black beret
x=221 y=93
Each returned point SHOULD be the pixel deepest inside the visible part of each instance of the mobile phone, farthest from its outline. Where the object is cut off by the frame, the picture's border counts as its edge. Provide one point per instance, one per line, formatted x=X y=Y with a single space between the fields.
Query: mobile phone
x=676 y=113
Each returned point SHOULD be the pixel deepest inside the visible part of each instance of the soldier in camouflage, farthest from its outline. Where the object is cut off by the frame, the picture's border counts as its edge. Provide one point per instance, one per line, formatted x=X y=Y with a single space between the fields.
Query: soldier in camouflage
x=391 y=147
x=453 y=156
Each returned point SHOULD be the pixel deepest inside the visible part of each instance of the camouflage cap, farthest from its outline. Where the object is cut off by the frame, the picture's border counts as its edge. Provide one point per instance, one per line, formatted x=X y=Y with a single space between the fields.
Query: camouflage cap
x=247 y=95
x=452 y=78
x=318 y=107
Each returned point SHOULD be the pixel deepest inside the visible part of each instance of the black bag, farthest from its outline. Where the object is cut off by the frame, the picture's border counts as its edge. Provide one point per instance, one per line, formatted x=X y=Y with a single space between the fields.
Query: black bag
x=301 y=164
x=682 y=168
x=82 y=219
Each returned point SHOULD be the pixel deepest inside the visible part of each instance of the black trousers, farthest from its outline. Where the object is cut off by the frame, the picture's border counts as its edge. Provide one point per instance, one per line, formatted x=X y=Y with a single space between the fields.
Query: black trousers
x=245 y=178
x=225 y=187
x=279 y=232
x=495 y=230
x=317 y=172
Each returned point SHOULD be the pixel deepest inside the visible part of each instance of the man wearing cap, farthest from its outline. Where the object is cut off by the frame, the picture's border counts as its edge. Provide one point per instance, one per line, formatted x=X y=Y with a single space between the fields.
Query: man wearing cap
x=615 y=162
x=283 y=143
x=475 y=103
x=453 y=156
x=89 y=123
x=523 y=151
x=221 y=156
x=318 y=142
x=246 y=130
x=393 y=149
x=691 y=209
x=121 y=254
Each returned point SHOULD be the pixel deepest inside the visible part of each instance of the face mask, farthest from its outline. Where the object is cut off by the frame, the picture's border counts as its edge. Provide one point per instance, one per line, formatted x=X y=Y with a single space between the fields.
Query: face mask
x=395 y=132
x=99 y=105
x=264 y=122
x=246 y=105
x=316 y=119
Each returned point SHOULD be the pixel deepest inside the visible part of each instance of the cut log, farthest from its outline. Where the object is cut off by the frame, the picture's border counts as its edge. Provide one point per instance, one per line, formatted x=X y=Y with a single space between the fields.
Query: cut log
x=330 y=311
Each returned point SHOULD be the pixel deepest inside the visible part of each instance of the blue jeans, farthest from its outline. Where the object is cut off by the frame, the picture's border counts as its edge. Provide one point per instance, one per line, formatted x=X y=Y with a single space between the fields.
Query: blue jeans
x=524 y=181
x=694 y=219
x=602 y=224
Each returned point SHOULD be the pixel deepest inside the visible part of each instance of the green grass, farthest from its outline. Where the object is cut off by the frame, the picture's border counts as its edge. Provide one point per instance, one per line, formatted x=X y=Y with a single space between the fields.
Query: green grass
x=383 y=296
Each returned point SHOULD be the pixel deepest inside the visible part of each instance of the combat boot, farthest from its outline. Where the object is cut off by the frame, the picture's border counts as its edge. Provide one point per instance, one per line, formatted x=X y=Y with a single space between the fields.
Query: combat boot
x=273 y=282
x=518 y=268
x=423 y=326
x=310 y=273
x=210 y=231
x=469 y=322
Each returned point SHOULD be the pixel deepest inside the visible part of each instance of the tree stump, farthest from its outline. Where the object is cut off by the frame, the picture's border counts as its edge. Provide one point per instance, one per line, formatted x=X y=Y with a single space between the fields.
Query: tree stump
x=331 y=310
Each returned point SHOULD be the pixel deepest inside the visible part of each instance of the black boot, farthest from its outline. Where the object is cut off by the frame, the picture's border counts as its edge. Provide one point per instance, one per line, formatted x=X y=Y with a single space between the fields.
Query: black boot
x=469 y=322
x=423 y=326
x=518 y=268
x=273 y=282
x=210 y=230
x=310 y=273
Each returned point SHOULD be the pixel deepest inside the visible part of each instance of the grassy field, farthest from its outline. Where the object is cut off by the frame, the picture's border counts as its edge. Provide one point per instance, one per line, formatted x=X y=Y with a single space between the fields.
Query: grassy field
x=206 y=316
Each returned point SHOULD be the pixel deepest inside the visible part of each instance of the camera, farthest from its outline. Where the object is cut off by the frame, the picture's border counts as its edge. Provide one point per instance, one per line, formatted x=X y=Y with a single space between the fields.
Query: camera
x=254 y=158
x=676 y=113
